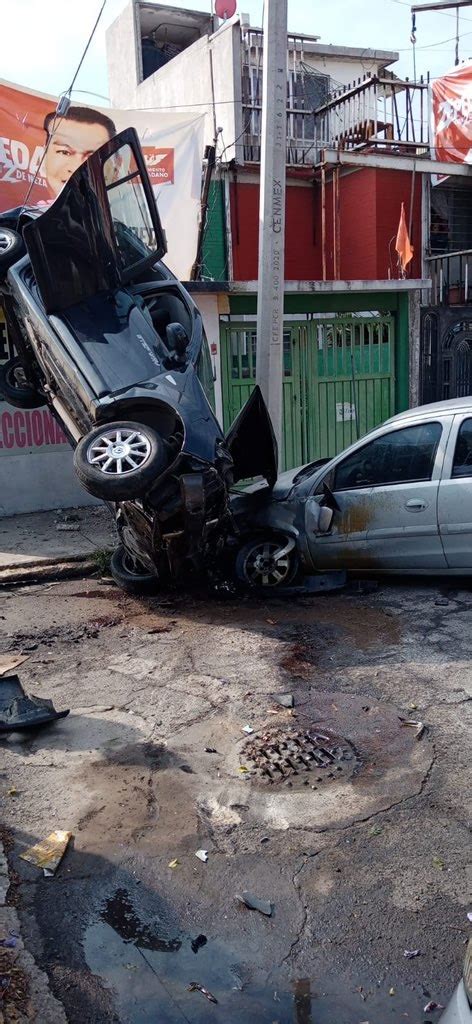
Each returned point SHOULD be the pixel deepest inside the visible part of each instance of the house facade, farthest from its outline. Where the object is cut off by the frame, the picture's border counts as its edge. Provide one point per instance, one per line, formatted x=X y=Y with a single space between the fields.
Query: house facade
x=357 y=148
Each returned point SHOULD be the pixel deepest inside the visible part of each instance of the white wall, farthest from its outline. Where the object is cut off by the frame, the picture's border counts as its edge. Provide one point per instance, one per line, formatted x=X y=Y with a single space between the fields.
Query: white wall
x=184 y=83
x=208 y=304
x=36 y=468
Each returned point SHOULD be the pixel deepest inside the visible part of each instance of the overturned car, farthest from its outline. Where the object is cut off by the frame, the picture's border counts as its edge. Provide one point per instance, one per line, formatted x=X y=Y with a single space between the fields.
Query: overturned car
x=113 y=343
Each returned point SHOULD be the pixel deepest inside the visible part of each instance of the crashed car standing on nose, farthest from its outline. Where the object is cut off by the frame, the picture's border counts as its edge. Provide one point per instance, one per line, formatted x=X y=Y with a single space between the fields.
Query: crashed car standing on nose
x=113 y=343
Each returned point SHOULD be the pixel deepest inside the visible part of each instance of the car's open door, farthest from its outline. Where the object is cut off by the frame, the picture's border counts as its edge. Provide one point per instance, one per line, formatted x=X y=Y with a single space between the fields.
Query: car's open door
x=102 y=230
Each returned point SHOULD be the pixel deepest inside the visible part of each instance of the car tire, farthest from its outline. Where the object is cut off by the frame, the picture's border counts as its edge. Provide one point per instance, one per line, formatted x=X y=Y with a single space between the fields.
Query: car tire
x=12 y=248
x=131 y=577
x=256 y=568
x=15 y=389
x=120 y=461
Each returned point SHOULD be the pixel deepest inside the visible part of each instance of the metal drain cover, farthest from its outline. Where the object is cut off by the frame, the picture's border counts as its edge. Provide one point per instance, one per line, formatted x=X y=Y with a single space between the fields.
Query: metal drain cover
x=287 y=754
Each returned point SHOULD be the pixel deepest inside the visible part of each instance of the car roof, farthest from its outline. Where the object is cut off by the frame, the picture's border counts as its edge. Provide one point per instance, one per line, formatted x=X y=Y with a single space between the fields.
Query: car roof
x=453 y=405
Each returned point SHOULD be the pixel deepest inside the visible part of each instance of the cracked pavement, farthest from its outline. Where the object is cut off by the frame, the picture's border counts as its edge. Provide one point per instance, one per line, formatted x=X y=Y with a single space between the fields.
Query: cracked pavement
x=358 y=866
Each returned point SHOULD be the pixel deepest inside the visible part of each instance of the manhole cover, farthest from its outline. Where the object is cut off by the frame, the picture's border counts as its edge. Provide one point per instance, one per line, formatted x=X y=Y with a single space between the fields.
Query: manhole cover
x=282 y=754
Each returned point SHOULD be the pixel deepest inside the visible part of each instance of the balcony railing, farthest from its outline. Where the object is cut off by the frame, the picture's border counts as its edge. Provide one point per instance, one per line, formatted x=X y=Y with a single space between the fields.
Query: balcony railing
x=376 y=112
x=306 y=89
x=451 y=278
x=380 y=113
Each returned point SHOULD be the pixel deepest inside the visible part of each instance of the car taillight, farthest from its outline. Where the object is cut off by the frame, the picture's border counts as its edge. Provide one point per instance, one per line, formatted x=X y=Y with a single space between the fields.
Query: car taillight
x=468 y=971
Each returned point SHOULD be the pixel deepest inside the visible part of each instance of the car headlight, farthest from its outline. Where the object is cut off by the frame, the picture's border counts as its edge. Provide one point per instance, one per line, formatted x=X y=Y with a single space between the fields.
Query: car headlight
x=468 y=971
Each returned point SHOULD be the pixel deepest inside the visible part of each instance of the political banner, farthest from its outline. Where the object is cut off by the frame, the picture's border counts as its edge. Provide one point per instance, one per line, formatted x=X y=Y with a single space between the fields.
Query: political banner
x=451 y=115
x=39 y=151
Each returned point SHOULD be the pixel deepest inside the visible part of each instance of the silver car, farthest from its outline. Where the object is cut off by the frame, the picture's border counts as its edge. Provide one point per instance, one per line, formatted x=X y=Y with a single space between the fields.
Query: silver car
x=397 y=501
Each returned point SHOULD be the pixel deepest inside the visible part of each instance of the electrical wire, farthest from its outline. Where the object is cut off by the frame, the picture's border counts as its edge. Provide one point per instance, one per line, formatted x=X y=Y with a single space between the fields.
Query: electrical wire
x=81 y=61
x=61 y=105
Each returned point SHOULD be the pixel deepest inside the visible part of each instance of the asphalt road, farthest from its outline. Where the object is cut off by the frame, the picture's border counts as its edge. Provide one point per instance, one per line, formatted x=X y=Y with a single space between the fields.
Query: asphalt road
x=362 y=856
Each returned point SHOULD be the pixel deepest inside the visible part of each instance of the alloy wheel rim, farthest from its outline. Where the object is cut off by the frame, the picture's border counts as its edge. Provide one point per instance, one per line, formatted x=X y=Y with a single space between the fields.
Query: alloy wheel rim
x=6 y=242
x=263 y=569
x=119 y=452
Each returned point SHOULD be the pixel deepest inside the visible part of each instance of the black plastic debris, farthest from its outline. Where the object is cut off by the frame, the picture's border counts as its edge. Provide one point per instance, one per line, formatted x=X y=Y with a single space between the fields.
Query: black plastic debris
x=196 y=944
x=335 y=580
x=254 y=903
x=18 y=711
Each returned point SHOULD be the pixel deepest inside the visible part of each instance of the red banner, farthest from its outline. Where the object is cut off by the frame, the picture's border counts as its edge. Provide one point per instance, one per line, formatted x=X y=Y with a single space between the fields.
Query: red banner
x=451 y=115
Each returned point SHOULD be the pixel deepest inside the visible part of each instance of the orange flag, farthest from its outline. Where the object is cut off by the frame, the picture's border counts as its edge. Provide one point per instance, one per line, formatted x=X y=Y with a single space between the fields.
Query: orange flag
x=402 y=245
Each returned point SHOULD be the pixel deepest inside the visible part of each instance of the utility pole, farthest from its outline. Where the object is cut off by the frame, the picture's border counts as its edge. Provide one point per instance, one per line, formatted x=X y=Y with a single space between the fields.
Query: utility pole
x=270 y=292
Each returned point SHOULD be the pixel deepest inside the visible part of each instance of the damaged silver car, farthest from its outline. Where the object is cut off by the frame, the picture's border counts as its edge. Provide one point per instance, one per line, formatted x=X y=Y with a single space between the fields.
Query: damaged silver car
x=397 y=501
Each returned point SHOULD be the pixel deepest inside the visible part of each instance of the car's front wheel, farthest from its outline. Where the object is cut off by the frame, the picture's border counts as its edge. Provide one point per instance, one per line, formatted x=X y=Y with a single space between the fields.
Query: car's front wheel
x=130 y=575
x=267 y=563
x=120 y=461
x=15 y=387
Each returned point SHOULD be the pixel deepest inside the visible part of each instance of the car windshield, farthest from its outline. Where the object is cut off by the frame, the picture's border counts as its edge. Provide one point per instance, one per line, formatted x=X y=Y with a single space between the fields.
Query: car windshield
x=134 y=231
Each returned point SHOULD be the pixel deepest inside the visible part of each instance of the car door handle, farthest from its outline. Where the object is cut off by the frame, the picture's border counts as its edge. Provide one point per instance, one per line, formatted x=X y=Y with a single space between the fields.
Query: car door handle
x=415 y=505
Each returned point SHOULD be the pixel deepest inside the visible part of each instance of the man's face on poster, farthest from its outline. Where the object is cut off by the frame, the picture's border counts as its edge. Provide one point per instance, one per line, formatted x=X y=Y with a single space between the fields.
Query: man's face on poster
x=71 y=144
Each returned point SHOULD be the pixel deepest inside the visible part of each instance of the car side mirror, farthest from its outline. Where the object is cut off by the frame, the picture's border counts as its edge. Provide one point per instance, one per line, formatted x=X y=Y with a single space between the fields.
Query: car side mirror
x=325 y=519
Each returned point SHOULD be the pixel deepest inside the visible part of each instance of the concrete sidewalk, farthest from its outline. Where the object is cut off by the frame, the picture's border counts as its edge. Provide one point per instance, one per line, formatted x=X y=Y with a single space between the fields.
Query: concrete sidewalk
x=48 y=538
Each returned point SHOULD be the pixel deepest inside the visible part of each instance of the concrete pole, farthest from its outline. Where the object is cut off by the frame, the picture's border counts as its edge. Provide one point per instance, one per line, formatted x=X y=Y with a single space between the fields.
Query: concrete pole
x=270 y=295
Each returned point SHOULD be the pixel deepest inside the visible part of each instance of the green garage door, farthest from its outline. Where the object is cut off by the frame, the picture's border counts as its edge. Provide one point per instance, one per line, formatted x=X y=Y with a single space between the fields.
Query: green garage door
x=338 y=372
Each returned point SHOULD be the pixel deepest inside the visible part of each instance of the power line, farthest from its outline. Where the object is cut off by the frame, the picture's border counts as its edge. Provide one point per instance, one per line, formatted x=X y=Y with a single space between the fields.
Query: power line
x=60 y=112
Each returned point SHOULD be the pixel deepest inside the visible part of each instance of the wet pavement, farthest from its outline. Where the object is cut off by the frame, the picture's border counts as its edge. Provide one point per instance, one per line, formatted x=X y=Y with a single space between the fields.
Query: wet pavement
x=154 y=763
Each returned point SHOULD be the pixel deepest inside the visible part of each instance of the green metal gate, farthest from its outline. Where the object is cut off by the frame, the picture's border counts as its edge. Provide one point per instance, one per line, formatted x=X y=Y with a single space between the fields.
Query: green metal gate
x=338 y=372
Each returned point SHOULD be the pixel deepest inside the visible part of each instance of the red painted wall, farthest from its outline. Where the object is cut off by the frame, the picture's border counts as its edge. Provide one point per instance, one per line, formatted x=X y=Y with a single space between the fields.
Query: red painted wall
x=369 y=201
x=302 y=242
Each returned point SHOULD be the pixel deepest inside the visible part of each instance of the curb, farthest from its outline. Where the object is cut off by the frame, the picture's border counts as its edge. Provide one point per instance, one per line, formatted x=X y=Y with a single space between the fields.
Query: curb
x=43 y=572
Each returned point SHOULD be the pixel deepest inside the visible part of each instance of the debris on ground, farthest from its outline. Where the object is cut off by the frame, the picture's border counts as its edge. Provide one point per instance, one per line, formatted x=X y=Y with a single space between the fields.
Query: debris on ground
x=286 y=700
x=202 y=855
x=68 y=527
x=196 y=944
x=432 y=1006
x=376 y=830
x=174 y=863
x=49 y=852
x=210 y=750
x=443 y=601
x=10 y=942
x=248 y=729
x=438 y=863
x=18 y=711
x=410 y=954
x=254 y=903
x=8 y=662
x=469 y=916
x=195 y=987
x=419 y=726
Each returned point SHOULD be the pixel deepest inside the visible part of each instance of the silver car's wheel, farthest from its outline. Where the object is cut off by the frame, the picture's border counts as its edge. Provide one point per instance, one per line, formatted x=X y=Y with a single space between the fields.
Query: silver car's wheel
x=120 y=461
x=259 y=565
x=119 y=451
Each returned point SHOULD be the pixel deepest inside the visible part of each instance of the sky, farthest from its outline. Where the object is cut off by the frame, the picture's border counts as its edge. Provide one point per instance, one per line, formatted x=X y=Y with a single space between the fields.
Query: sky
x=43 y=40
